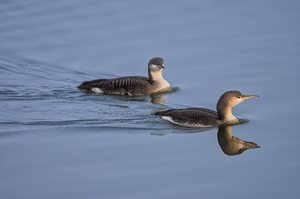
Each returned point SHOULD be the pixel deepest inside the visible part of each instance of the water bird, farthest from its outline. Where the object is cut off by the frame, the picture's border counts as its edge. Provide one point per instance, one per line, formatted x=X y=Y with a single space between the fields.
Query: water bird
x=203 y=117
x=231 y=145
x=132 y=85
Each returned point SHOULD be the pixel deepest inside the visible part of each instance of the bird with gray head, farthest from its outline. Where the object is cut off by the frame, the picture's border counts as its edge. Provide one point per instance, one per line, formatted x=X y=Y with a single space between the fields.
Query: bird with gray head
x=231 y=145
x=202 y=117
x=132 y=85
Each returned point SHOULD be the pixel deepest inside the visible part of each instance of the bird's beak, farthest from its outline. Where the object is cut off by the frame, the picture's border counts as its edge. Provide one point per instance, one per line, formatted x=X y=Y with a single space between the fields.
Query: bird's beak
x=246 y=97
x=246 y=144
x=162 y=66
x=251 y=145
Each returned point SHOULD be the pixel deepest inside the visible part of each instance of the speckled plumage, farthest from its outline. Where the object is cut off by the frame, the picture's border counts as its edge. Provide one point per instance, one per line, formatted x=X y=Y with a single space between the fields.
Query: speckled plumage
x=192 y=117
x=131 y=85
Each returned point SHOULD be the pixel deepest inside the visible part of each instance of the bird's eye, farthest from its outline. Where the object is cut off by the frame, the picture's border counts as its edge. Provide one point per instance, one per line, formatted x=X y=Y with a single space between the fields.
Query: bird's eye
x=239 y=97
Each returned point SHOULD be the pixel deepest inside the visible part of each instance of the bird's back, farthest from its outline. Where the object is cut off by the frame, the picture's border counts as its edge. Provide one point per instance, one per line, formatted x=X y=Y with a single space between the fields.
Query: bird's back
x=130 y=85
x=190 y=117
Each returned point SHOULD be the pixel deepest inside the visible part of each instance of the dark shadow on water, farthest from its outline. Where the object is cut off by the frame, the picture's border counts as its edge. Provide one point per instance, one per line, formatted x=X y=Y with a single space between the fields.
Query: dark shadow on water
x=232 y=145
x=156 y=98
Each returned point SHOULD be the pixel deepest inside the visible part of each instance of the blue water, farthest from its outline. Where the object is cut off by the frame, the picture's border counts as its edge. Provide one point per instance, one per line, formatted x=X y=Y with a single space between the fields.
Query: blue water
x=58 y=142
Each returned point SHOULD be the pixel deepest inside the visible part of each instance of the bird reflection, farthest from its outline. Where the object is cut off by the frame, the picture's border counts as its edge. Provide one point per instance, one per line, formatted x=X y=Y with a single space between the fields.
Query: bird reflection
x=158 y=98
x=231 y=145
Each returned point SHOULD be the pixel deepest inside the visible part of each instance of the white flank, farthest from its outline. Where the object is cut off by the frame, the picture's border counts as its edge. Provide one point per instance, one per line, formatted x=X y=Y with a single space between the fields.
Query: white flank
x=96 y=90
x=168 y=118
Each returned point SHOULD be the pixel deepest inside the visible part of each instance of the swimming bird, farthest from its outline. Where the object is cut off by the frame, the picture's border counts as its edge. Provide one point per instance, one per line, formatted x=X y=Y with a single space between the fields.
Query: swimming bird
x=202 y=117
x=231 y=145
x=132 y=85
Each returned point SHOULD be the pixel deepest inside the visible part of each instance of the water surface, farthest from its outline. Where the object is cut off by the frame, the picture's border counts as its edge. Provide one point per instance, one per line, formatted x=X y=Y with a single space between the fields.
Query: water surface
x=59 y=142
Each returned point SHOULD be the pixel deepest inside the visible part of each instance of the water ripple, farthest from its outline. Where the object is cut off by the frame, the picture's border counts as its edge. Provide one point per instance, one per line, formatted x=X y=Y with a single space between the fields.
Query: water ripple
x=37 y=95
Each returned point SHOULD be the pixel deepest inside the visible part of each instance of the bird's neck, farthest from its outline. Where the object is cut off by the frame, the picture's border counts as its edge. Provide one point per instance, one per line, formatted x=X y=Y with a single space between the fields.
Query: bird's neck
x=156 y=76
x=225 y=112
x=158 y=80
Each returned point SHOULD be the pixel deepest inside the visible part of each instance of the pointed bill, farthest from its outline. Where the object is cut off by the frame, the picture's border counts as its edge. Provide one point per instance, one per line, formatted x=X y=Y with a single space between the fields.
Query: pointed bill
x=246 y=97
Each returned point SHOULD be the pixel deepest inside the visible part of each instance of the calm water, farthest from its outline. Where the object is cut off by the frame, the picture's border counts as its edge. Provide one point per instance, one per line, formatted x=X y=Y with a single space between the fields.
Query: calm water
x=57 y=142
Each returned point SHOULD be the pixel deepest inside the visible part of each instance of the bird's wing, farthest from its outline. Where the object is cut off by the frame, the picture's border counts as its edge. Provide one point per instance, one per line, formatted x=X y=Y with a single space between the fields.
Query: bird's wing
x=191 y=115
x=123 y=84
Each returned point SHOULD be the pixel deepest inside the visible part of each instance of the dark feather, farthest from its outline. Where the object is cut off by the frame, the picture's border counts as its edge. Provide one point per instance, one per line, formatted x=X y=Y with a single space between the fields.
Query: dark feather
x=191 y=115
x=131 y=85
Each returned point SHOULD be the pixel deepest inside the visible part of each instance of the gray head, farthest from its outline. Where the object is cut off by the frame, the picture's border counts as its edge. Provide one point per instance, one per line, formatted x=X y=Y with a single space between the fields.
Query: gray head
x=156 y=64
x=228 y=100
x=233 y=98
x=155 y=68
